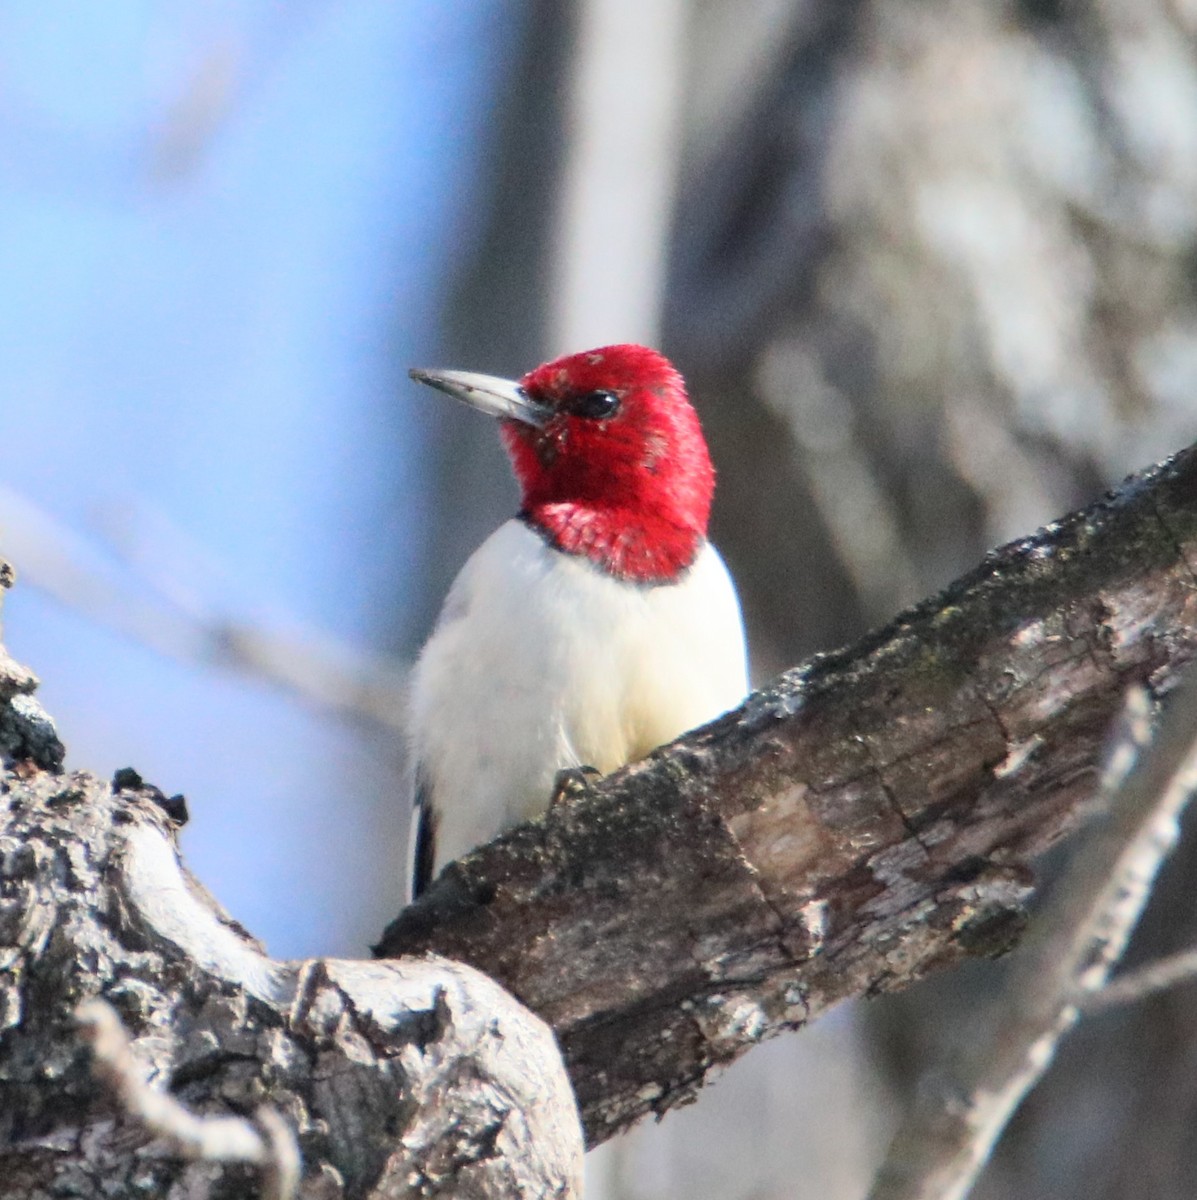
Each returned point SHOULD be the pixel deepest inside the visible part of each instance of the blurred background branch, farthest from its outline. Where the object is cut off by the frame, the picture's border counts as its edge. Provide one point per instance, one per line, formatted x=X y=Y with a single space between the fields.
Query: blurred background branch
x=1132 y=986
x=161 y=592
x=1081 y=933
x=266 y=1142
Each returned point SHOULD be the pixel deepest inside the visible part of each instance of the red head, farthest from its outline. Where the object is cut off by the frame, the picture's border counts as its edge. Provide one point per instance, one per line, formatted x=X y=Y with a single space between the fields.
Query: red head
x=609 y=455
x=618 y=471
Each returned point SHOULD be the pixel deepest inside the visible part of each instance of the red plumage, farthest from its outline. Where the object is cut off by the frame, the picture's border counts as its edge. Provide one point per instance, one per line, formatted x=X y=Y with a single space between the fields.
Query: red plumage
x=631 y=492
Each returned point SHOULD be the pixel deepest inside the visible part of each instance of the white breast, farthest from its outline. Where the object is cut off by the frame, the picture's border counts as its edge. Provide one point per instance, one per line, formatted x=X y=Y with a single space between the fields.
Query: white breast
x=542 y=661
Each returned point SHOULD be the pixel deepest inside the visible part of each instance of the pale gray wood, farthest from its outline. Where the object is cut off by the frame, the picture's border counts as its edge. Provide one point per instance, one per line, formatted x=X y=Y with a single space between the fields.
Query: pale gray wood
x=418 y=1077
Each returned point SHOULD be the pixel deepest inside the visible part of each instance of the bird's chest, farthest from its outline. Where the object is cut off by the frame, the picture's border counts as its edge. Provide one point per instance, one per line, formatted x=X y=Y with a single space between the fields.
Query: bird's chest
x=559 y=654
x=542 y=660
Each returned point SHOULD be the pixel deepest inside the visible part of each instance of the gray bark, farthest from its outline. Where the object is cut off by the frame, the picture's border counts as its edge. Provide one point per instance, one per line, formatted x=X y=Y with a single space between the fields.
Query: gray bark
x=868 y=817
x=864 y=819
x=407 y=1078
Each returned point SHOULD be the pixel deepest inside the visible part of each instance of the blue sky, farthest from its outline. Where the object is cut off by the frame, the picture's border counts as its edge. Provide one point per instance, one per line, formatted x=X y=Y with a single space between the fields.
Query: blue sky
x=224 y=231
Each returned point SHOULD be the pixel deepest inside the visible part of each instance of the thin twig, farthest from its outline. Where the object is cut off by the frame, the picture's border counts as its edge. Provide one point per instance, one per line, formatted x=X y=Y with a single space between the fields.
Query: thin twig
x=1145 y=981
x=179 y=622
x=939 y=1151
x=266 y=1142
x=281 y=1170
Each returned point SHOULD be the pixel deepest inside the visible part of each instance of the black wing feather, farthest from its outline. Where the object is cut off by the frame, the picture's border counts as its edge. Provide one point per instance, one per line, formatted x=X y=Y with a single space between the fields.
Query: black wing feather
x=424 y=821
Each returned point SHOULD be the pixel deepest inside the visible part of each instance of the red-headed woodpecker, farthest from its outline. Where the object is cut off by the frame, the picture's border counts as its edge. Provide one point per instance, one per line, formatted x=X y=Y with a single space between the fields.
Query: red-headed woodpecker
x=591 y=628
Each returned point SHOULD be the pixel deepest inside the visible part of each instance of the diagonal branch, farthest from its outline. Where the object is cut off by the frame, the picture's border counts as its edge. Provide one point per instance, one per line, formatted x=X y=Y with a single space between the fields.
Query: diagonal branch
x=864 y=819
x=183 y=620
x=1129 y=987
x=951 y=1130
x=860 y=821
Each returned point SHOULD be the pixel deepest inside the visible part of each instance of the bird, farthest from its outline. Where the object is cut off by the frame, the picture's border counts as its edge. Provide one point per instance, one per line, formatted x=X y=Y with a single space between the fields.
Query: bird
x=595 y=625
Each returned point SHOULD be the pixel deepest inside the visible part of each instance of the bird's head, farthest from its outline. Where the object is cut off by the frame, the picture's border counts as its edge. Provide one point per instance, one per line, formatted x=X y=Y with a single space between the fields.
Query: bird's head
x=609 y=454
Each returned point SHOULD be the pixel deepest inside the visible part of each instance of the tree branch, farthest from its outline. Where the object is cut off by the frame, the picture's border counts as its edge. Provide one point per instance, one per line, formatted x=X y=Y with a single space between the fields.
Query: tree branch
x=178 y=613
x=864 y=819
x=270 y=1146
x=858 y=822
x=419 y=1077
x=1129 y=987
x=949 y=1134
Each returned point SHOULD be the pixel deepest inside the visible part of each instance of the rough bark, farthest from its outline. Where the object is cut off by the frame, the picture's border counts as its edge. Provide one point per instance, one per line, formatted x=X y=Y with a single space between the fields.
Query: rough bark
x=411 y=1078
x=867 y=817
x=1081 y=932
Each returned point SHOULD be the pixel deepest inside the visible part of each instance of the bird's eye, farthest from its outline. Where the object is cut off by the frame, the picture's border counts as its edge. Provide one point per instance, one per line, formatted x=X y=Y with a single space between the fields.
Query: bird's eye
x=596 y=406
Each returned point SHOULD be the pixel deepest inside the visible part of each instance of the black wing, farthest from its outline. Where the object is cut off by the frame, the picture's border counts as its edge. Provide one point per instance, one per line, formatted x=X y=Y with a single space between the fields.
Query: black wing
x=423 y=838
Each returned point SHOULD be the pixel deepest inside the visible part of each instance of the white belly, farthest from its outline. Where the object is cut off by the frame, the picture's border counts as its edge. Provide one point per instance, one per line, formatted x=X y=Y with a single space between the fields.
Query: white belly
x=541 y=661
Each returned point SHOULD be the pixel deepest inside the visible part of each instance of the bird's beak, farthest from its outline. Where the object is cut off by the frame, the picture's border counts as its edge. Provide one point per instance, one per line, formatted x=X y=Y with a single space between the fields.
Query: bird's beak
x=487 y=393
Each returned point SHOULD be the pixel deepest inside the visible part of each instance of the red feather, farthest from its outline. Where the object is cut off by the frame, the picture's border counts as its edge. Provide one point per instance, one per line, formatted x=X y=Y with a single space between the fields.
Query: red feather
x=632 y=492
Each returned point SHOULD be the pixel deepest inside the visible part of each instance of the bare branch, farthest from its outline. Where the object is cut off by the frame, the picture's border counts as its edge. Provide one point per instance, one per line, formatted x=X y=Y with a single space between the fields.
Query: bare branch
x=600 y=282
x=271 y=1146
x=1132 y=986
x=184 y=623
x=857 y=510
x=280 y=1174
x=412 y=1078
x=865 y=818
x=948 y=1136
